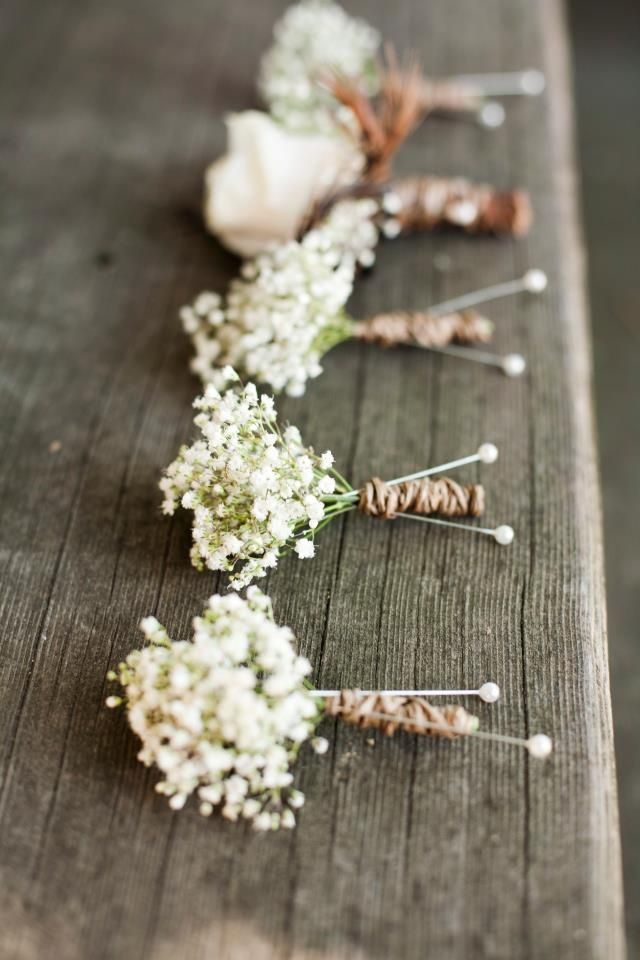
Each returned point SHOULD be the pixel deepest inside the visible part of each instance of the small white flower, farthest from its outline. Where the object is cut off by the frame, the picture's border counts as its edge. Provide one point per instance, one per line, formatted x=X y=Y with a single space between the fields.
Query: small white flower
x=305 y=549
x=190 y=320
x=262 y=822
x=230 y=374
x=206 y=302
x=327 y=484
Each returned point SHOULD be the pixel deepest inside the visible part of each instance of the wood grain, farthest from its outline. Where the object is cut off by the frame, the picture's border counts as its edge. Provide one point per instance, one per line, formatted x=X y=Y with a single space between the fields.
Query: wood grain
x=406 y=848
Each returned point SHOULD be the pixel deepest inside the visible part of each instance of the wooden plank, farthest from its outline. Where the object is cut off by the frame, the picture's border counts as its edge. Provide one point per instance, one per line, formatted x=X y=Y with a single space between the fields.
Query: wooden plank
x=407 y=848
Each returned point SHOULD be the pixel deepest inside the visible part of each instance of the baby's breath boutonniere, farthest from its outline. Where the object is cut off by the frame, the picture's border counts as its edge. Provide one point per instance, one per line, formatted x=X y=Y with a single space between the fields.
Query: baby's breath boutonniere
x=257 y=492
x=224 y=715
x=314 y=36
x=288 y=309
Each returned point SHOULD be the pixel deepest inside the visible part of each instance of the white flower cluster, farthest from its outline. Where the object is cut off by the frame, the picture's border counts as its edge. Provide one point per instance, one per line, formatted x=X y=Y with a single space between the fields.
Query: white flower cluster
x=312 y=36
x=351 y=226
x=223 y=715
x=255 y=492
x=281 y=315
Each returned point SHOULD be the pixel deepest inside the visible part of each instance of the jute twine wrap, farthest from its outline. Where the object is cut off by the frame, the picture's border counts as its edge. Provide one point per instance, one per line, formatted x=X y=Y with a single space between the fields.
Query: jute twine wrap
x=428 y=202
x=439 y=495
x=404 y=713
x=448 y=96
x=425 y=329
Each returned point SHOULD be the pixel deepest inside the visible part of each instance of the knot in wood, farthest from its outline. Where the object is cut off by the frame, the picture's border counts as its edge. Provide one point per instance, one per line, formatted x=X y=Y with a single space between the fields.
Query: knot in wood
x=388 y=714
x=440 y=495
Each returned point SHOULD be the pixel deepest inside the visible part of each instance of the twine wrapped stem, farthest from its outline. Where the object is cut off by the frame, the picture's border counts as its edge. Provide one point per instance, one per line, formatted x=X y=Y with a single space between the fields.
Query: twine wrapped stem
x=449 y=96
x=388 y=714
x=424 y=328
x=426 y=202
x=425 y=496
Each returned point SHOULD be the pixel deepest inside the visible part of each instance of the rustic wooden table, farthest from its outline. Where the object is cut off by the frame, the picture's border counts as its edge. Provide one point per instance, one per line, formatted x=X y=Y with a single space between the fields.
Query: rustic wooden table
x=407 y=848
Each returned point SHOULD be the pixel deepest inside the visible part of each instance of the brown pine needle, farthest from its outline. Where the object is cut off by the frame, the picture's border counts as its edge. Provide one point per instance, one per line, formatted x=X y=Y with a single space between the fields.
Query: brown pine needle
x=384 y=123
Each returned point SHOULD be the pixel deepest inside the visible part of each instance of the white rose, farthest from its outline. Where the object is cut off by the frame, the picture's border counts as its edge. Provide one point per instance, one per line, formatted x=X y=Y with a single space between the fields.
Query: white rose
x=259 y=193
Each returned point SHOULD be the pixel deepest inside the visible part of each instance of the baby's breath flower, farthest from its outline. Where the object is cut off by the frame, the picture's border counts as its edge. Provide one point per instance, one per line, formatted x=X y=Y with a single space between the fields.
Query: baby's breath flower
x=352 y=227
x=280 y=317
x=312 y=36
x=288 y=307
x=255 y=492
x=223 y=716
x=305 y=548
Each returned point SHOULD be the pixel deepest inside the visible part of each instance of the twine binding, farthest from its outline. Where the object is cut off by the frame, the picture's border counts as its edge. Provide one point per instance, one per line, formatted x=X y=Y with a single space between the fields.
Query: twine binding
x=441 y=495
x=426 y=202
x=448 y=96
x=388 y=714
x=424 y=328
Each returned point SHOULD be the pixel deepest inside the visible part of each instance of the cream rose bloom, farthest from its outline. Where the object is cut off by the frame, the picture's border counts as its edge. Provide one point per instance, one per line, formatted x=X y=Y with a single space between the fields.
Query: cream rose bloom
x=260 y=191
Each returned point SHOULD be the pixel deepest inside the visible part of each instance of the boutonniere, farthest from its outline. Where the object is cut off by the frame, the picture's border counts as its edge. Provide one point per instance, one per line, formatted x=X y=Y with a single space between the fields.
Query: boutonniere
x=275 y=184
x=314 y=36
x=257 y=492
x=223 y=716
x=288 y=309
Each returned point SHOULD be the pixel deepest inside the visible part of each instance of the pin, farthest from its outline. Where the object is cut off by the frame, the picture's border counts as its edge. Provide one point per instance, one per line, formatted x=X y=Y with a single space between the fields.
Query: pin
x=489 y=692
x=469 y=93
x=486 y=453
x=511 y=364
x=491 y=114
x=504 y=534
x=528 y=83
x=533 y=281
x=539 y=746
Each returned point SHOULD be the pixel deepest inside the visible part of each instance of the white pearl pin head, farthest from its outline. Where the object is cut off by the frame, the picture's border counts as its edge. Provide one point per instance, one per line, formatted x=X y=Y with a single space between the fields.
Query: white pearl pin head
x=503 y=535
x=514 y=365
x=489 y=692
x=540 y=746
x=492 y=115
x=535 y=281
x=391 y=203
x=488 y=453
x=532 y=82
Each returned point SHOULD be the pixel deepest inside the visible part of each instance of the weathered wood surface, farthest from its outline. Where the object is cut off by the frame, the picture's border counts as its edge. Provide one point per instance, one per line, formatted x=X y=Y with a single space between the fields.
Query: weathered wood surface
x=406 y=849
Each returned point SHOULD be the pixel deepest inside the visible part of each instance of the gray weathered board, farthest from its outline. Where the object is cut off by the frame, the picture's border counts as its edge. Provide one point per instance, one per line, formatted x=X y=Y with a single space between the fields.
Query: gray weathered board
x=406 y=848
